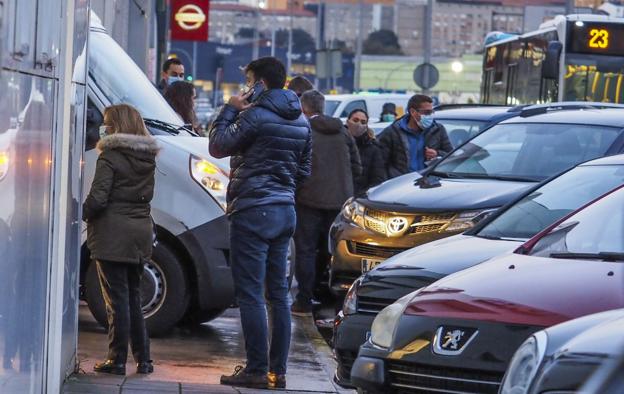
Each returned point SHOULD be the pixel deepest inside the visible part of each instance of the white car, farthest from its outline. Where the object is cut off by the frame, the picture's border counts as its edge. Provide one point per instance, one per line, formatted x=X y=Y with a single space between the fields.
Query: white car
x=340 y=105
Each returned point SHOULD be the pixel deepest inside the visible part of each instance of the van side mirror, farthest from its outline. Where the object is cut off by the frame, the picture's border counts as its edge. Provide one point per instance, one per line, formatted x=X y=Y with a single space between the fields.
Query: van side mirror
x=550 y=66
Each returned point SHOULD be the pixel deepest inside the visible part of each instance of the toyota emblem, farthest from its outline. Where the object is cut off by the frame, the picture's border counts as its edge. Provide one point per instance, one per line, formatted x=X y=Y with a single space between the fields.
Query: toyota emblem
x=396 y=225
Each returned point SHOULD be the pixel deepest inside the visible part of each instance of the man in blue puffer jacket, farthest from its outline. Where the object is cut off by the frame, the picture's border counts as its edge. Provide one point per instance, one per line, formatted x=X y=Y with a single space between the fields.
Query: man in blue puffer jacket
x=269 y=140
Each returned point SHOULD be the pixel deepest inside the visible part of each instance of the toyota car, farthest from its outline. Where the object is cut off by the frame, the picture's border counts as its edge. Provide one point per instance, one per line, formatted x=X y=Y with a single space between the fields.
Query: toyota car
x=460 y=333
x=466 y=186
x=502 y=232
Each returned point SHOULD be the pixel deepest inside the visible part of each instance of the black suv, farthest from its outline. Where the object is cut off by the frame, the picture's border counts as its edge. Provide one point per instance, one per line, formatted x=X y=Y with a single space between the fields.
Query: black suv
x=480 y=176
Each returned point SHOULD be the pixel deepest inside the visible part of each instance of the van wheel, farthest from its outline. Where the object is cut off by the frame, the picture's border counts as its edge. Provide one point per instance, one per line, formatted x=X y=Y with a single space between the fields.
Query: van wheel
x=164 y=292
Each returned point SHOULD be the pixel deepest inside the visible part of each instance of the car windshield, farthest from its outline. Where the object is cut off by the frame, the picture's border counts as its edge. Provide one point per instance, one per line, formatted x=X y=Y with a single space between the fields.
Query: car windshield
x=122 y=81
x=554 y=200
x=461 y=130
x=330 y=107
x=527 y=151
x=596 y=232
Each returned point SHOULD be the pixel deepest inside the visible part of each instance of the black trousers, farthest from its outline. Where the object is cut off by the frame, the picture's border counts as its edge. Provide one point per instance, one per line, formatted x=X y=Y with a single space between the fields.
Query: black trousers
x=312 y=230
x=121 y=289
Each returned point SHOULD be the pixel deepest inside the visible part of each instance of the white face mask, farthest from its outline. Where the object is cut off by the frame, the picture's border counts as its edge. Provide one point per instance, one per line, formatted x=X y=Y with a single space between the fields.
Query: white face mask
x=171 y=79
x=103 y=132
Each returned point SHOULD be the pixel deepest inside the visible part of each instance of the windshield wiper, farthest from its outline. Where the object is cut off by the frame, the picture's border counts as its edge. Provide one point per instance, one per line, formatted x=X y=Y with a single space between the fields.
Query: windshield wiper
x=169 y=128
x=492 y=237
x=497 y=177
x=606 y=256
x=445 y=174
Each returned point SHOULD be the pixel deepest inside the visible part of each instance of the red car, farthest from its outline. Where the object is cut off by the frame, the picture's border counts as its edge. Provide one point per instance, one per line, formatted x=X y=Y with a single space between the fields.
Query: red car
x=459 y=334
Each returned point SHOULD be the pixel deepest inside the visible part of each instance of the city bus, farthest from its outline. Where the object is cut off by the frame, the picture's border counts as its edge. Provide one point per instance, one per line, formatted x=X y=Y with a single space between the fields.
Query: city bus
x=569 y=58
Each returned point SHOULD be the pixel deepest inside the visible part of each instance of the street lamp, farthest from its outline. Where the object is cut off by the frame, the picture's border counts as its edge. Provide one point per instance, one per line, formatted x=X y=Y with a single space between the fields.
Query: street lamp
x=457 y=67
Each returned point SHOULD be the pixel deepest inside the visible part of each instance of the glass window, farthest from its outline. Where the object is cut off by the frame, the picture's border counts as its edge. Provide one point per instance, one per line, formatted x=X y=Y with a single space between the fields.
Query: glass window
x=330 y=107
x=460 y=130
x=554 y=200
x=121 y=80
x=358 y=104
x=529 y=151
x=48 y=35
x=593 y=78
x=24 y=35
x=596 y=231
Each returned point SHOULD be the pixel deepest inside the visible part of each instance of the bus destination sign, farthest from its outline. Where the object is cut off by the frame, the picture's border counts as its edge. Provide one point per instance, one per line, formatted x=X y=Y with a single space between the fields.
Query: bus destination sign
x=596 y=38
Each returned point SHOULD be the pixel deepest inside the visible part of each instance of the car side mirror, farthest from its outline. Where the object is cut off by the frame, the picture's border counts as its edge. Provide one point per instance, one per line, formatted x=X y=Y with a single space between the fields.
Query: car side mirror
x=550 y=65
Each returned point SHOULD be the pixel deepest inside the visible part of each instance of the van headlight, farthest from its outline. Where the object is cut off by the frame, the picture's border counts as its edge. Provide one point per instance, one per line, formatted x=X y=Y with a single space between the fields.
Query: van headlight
x=524 y=364
x=467 y=220
x=4 y=164
x=386 y=322
x=353 y=211
x=211 y=177
x=349 y=307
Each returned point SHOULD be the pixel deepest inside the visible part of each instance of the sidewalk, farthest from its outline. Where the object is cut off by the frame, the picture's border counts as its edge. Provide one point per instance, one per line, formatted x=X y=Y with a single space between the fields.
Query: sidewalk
x=192 y=361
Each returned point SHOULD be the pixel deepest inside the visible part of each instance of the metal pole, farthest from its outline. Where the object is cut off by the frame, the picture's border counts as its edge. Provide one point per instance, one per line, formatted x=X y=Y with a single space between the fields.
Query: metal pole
x=358 y=46
x=256 y=36
x=273 y=37
x=428 y=34
x=290 y=40
x=194 y=60
x=570 y=7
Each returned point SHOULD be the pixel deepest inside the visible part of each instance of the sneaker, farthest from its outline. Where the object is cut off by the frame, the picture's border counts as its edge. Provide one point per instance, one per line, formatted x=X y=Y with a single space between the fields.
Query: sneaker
x=300 y=309
x=109 y=366
x=145 y=367
x=276 y=381
x=242 y=378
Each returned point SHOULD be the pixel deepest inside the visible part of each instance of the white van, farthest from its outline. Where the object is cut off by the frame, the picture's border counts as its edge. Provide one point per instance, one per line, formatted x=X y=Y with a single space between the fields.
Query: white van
x=340 y=105
x=189 y=276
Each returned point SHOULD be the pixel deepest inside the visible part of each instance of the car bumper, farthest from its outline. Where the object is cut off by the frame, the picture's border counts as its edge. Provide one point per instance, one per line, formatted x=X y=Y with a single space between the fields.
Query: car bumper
x=350 y=244
x=350 y=332
x=208 y=249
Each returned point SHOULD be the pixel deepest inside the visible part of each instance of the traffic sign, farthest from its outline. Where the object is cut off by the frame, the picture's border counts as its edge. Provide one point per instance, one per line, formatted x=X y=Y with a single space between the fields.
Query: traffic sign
x=189 y=20
x=426 y=76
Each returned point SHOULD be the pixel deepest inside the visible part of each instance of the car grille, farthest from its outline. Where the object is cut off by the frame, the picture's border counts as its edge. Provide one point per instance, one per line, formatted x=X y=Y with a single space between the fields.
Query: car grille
x=431 y=223
x=413 y=378
x=373 y=250
x=376 y=220
x=345 y=362
x=372 y=305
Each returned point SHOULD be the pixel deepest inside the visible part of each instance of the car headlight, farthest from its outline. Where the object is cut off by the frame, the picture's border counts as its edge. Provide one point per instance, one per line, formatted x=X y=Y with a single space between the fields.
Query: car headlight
x=467 y=220
x=4 y=164
x=211 y=177
x=353 y=211
x=349 y=307
x=386 y=322
x=524 y=365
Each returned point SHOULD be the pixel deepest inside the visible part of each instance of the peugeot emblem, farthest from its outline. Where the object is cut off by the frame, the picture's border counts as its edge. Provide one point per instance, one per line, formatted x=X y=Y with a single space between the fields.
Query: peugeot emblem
x=451 y=341
x=396 y=225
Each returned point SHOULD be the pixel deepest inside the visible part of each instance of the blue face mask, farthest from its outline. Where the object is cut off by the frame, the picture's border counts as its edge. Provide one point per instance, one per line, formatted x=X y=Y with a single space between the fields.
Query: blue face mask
x=388 y=118
x=102 y=131
x=426 y=121
x=171 y=80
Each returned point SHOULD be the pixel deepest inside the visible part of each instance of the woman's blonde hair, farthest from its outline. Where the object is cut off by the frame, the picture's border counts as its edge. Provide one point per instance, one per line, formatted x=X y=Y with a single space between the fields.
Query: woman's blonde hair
x=124 y=118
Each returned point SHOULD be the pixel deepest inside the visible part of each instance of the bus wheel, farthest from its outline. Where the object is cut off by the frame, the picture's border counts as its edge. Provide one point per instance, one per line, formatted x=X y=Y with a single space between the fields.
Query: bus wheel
x=164 y=292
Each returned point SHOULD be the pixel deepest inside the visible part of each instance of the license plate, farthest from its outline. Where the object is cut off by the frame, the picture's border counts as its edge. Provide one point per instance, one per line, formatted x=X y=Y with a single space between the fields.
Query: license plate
x=369 y=264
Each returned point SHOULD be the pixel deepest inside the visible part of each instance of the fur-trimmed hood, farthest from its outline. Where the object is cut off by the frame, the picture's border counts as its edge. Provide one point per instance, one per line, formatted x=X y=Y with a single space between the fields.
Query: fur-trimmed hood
x=138 y=143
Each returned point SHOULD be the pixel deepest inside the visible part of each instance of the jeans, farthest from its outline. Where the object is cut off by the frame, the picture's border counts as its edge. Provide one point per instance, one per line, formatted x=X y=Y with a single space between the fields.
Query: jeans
x=121 y=288
x=259 y=240
x=312 y=230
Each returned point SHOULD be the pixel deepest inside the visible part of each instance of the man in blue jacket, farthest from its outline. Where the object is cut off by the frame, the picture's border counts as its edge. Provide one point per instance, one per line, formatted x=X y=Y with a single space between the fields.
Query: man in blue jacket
x=268 y=138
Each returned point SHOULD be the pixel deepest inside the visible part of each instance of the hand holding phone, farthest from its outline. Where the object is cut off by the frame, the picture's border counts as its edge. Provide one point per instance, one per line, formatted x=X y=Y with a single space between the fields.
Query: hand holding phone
x=241 y=102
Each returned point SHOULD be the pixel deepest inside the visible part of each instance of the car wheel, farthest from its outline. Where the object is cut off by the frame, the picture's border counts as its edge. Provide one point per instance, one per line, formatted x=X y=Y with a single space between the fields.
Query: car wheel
x=164 y=292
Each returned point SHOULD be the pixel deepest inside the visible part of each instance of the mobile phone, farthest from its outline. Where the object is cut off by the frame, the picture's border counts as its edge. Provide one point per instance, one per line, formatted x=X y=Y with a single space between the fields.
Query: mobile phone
x=257 y=90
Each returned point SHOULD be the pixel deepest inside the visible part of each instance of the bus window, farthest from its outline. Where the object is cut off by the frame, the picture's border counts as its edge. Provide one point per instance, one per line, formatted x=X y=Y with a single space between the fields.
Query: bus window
x=24 y=33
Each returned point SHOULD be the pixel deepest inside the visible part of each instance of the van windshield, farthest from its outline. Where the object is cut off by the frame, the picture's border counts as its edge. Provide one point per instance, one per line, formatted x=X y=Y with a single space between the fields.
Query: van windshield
x=330 y=107
x=122 y=81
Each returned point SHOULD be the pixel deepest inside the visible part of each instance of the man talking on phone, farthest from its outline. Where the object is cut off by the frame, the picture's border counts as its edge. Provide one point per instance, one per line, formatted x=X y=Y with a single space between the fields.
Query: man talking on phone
x=268 y=138
x=413 y=140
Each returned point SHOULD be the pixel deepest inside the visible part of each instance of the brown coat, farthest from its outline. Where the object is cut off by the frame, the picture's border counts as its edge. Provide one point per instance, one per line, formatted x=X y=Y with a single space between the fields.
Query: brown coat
x=117 y=209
